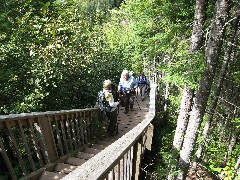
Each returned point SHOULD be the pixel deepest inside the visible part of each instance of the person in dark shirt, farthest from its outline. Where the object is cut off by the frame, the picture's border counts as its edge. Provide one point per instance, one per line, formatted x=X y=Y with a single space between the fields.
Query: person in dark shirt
x=142 y=84
x=107 y=105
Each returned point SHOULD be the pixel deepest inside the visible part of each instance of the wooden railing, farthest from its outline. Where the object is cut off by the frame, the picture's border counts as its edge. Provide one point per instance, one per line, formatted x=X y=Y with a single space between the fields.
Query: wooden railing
x=30 y=141
x=122 y=159
x=34 y=142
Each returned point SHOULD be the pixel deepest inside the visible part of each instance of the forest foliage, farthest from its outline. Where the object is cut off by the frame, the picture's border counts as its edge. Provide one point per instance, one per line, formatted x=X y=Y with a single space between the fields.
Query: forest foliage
x=55 y=54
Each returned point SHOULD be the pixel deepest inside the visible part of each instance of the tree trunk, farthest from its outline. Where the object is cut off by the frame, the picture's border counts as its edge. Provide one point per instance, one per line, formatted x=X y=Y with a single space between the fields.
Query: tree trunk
x=237 y=168
x=166 y=95
x=183 y=117
x=232 y=143
x=227 y=58
x=186 y=102
x=212 y=56
x=197 y=32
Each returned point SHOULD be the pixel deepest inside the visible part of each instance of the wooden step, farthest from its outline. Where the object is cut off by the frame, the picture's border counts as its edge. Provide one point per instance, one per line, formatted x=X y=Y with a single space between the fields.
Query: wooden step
x=83 y=155
x=46 y=175
x=75 y=161
x=64 y=168
x=105 y=143
x=98 y=146
x=110 y=139
x=92 y=151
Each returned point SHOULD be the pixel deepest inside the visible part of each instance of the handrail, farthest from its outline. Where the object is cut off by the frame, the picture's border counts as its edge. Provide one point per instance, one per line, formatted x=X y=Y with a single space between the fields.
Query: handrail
x=122 y=157
x=30 y=141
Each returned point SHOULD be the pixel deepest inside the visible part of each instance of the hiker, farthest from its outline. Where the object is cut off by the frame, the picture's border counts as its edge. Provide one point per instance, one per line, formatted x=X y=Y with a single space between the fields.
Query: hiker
x=135 y=86
x=142 y=84
x=125 y=89
x=107 y=105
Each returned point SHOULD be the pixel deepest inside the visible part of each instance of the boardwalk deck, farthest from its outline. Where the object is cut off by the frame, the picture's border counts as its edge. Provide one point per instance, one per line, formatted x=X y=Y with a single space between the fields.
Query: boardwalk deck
x=126 y=122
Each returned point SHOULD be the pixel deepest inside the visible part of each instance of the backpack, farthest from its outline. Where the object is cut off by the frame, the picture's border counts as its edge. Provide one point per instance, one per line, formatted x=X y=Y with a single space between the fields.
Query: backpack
x=142 y=79
x=103 y=104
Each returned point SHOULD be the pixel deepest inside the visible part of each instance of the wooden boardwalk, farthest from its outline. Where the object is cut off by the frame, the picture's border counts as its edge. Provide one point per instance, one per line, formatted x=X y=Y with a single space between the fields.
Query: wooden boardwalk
x=126 y=122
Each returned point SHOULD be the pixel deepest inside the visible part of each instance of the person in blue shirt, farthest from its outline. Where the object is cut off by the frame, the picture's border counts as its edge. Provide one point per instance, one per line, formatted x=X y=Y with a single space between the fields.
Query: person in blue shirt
x=135 y=79
x=126 y=88
x=142 y=84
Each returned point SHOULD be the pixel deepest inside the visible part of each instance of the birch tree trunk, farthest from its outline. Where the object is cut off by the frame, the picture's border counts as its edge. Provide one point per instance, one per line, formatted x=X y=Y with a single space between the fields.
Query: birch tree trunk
x=185 y=107
x=232 y=143
x=186 y=102
x=211 y=56
x=216 y=94
x=237 y=168
x=197 y=32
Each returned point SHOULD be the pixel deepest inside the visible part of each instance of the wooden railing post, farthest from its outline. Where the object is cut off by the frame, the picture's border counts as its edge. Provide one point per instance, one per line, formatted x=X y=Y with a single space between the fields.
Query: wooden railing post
x=136 y=159
x=7 y=161
x=46 y=133
x=149 y=137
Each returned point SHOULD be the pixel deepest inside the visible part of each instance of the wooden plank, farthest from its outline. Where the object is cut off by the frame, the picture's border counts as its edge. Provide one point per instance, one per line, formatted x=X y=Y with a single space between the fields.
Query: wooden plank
x=46 y=175
x=23 y=136
x=64 y=133
x=49 y=141
x=7 y=161
x=49 y=167
x=87 y=118
x=68 y=120
x=16 y=149
x=78 y=137
x=124 y=167
x=113 y=173
x=85 y=128
x=119 y=170
x=35 y=142
x=81 y=127
x=41 y=140
x=136 y=158
x=73 y=130
x=59 y=144
x=129 y=163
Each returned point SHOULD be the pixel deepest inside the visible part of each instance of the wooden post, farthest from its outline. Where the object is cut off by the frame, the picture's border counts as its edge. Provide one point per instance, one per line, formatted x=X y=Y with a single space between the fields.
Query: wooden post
x=136 y=159
x=48 y=140
x=7 y=161
x=149 y=137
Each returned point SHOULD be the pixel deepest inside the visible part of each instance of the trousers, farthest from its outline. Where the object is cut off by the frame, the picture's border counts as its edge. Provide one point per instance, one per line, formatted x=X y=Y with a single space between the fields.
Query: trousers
x=112 y=127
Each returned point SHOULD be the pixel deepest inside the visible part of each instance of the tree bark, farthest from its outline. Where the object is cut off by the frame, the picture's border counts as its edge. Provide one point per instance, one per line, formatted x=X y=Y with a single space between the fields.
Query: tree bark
x=216 y=94
x=197 y=32
x=232 y=143
x=183 y=117
x=211 y=56
x=237 y=168
x=186 y=102
x=166 y=95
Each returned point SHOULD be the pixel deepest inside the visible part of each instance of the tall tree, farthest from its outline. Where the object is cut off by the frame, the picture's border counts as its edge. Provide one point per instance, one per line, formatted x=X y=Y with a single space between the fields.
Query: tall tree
x=212 y=54
x=221 y=76
x=185 y=107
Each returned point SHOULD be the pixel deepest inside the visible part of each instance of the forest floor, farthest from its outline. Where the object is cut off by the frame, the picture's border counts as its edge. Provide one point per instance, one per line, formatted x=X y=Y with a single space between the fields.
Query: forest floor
x=201 y=173
x=151 y=163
